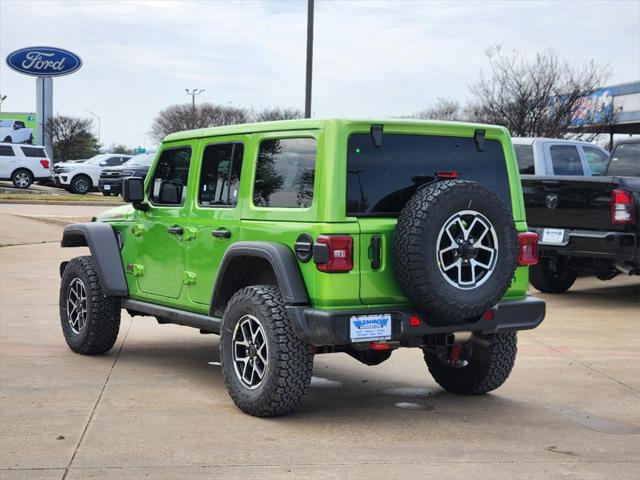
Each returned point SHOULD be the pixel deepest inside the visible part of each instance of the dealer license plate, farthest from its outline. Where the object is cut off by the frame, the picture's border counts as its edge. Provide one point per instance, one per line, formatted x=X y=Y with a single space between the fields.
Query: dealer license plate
x=106 y=187
x=370 y=328
x=553 y=236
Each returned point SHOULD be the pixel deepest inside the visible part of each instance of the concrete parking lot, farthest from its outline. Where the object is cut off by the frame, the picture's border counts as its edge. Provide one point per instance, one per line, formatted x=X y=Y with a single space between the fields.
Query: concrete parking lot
x=156 y=406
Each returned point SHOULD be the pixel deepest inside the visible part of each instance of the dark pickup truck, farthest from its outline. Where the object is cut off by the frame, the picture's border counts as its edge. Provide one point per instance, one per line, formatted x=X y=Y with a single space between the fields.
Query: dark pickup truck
x=587 y=225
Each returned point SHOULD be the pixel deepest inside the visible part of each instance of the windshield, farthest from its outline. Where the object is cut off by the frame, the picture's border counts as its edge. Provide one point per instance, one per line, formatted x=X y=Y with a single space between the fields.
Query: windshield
x=625 y=160
x=6 y=123
x=382 y=179
x=141 y=160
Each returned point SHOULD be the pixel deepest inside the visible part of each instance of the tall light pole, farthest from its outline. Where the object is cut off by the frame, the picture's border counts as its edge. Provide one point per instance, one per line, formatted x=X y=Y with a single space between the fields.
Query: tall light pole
x=98 y=118
x=307 y=93
x=193 y=94
x=144 y=139
x=2 y=99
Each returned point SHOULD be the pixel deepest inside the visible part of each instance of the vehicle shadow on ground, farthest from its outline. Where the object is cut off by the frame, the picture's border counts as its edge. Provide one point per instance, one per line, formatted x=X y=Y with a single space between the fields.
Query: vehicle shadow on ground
x=606 y=295
x=338 y=391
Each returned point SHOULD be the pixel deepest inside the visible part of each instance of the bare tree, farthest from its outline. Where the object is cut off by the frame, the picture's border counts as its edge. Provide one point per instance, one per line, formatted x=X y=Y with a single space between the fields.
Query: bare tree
x=72 y=137
x=276 y=113
x=176 y=118
x=443 y=109
x=537 y=97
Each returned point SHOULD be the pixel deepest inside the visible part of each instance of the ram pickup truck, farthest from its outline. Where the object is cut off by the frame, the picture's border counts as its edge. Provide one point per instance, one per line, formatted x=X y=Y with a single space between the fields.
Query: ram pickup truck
x=587 y=225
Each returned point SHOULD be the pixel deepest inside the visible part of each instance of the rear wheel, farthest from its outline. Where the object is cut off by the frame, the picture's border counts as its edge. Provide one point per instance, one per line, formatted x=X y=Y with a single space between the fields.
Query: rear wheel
x=484 y=365
x=80 y=184
x=552 y=275
x=90 y=319
x=22 y=178
x=266 y=368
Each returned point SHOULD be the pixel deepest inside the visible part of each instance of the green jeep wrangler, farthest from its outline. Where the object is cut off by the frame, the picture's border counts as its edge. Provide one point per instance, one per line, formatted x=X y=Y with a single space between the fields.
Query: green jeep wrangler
x=296 y=238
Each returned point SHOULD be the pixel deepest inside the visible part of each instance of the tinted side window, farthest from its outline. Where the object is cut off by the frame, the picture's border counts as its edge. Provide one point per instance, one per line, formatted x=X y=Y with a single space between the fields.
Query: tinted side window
x=169 y=184
x=566 y=160
x=524 y=155
x=597 y=160
x=6 y=151
x=625 y=160
x=285 y=172
x=113 y=161
x=33 y=152
x=220 y=175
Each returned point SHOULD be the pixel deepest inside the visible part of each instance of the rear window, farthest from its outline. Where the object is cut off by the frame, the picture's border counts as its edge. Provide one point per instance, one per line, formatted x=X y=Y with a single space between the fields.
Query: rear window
x=566 y=160
x=524 y=154
x=381 y=180
x=33 y=152
x=625 y=160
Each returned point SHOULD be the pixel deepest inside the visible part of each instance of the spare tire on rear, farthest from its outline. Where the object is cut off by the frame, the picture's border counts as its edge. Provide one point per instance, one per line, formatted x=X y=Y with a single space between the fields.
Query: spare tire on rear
x=455 y=249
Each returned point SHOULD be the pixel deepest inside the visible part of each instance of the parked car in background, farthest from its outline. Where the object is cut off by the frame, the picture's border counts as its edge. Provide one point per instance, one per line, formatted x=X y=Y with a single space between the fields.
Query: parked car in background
x=110 y=182
x=551 y=156
x=22 y=164
x=15 y=131
x=82 y=177
x=586 y=225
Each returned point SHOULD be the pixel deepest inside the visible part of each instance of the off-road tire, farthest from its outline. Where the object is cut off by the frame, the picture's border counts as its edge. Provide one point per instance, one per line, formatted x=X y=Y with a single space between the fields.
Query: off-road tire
x=103 y=312
x=21 y=174
x=549 y=280
x=490 y=363
x=290 y=361
x=74 y=185
x=415 y=241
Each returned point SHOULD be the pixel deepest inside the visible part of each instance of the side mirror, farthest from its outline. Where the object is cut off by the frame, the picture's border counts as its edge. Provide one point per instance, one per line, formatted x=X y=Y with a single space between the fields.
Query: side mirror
x=133 y=192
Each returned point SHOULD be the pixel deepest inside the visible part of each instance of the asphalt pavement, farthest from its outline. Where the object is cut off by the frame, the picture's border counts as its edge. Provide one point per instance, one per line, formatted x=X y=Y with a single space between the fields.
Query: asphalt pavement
x=156 y=406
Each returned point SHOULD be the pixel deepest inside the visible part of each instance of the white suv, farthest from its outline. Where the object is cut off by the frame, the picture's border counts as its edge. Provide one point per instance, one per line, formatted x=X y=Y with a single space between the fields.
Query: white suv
x=15 y=131
x=82 y=177
x=22 y=164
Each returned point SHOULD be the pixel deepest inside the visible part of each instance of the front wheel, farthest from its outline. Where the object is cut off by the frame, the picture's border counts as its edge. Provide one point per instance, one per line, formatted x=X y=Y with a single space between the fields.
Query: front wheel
x=22 y=179
x=80 y=184
x=266 y=368
x=482 y=364
x=552 y=275
x=90 y=319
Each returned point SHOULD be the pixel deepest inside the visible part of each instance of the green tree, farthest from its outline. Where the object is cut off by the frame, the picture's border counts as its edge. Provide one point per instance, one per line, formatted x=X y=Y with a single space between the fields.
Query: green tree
x=72 y=138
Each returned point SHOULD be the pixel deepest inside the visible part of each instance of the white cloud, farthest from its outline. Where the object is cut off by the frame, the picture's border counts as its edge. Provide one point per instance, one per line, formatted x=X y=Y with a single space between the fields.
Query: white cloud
x=371 y=57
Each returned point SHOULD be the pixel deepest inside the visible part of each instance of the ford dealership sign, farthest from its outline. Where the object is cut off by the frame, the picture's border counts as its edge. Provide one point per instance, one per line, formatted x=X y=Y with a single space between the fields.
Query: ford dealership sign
x=44 y=61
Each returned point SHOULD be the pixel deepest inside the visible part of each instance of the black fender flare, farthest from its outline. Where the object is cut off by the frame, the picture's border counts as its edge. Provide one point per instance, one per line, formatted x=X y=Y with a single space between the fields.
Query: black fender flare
x=281 y=259
x=103 y=244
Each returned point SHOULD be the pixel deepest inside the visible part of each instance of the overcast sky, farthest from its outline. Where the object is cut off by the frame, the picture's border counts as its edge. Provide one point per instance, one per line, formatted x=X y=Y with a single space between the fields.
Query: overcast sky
x=372 y=58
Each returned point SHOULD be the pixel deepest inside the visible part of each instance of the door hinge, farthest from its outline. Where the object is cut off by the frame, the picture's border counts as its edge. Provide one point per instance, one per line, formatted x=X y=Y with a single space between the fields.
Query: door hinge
x=189 y=278
x=135 y=269
x=189 y=233
x=137 y=230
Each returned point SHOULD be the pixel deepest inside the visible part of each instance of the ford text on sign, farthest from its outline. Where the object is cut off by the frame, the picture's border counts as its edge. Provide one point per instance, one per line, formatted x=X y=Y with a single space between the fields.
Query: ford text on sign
x=44 y=61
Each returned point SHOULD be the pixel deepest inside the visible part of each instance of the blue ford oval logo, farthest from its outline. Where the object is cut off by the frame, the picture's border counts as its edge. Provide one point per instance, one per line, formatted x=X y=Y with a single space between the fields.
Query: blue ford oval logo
x=44 y=61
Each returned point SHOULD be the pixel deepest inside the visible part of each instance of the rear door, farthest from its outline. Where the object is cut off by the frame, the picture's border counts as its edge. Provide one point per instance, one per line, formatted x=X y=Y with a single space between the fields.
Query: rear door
x=7 y=161
x=382 y=179
x=215 y=213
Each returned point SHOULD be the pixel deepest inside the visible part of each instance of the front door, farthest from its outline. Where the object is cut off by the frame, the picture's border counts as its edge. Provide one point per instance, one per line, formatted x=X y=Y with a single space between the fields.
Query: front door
x=215 y=212
x=162 y=231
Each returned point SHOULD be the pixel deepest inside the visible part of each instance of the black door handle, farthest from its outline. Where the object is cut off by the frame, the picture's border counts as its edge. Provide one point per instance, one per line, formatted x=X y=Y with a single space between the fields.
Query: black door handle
x=376 y=252
x=175 y=230
x=221 y=233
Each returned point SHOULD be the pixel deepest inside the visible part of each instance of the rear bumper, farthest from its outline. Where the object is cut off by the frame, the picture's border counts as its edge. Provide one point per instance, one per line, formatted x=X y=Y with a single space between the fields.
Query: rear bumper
x=617 y=246
x=331 y=327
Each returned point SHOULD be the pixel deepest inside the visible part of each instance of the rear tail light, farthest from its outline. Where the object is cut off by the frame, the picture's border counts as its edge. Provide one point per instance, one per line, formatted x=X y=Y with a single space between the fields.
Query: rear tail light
x=622 y=207
x=528 y=248
x=339 y=257
x=442 y=174
x=45 y=163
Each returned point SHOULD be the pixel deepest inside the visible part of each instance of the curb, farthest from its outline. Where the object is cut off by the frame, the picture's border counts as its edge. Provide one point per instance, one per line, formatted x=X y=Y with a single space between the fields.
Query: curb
x=62 y=202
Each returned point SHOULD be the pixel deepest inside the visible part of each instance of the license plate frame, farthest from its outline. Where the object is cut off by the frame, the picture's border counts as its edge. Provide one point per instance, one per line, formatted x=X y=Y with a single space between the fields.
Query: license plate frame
x=370 y=328
x=553 y=236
